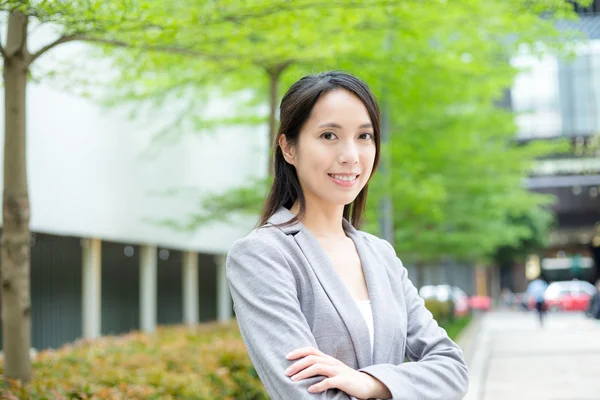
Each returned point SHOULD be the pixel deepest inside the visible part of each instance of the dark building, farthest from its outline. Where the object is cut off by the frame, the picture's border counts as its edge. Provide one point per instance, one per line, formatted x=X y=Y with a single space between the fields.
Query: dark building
x=560 y=99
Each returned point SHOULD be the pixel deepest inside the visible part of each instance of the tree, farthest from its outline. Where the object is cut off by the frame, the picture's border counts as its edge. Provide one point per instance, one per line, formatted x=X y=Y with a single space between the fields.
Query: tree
x=539 y=222
x=94 y=21
x=456 y=176
x=444 y=70
x=136 y=24
x=253 y=58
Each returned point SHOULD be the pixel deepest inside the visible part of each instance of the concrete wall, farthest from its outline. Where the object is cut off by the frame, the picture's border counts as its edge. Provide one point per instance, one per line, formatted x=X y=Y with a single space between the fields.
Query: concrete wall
x=88 y=176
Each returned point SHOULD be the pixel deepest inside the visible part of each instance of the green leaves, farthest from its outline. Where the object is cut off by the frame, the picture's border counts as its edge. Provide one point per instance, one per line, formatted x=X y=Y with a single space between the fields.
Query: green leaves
x=205 y=362
x=455 y=175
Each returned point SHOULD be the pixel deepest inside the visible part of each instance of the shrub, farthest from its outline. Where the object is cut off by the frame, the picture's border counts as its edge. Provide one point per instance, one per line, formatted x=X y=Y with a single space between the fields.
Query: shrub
x=443 y=311
x=205 y=362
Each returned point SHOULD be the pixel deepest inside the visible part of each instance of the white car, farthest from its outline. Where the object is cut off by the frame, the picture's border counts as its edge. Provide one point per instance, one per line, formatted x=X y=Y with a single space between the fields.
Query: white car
x=446 y=292
x=569 y=295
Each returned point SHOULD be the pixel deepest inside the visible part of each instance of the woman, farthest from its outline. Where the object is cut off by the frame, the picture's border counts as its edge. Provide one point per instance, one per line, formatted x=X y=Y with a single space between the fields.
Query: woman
x=325 y=310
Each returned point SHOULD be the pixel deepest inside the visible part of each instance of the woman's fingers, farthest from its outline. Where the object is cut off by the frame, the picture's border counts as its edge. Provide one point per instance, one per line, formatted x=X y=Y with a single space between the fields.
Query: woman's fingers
x=314 y=370
x=303 y=352
x=327 y=383
x=302 y=364
x=307 y=362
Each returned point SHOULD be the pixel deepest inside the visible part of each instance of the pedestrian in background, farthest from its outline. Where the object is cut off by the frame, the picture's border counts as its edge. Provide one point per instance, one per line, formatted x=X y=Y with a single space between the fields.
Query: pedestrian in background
x=535 y=291
x=594 y=308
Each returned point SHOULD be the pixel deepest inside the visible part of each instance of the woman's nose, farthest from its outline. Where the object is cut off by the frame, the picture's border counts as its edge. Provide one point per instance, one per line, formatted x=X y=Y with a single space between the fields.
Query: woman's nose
x=349 y=154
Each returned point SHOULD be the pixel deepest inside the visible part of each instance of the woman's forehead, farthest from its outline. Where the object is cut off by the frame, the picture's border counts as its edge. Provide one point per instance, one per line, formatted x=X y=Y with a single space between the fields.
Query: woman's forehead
x=341 y=108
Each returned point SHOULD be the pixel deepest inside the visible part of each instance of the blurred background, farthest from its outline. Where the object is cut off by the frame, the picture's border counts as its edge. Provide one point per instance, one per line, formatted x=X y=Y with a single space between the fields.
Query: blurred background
x=136 y=151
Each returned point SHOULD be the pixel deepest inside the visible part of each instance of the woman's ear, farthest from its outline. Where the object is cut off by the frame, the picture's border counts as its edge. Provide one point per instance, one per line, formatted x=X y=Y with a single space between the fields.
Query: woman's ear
x=286 y=149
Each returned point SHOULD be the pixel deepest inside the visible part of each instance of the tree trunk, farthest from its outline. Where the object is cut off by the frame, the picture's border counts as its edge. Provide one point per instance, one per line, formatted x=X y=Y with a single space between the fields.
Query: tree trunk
x=274 y=74
x=494 y=283
x=481 y=282
x=16 y=303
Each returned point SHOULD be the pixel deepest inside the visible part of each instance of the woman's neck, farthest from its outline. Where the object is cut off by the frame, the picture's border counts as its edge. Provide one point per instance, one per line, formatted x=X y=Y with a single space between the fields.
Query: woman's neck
x=322 y=222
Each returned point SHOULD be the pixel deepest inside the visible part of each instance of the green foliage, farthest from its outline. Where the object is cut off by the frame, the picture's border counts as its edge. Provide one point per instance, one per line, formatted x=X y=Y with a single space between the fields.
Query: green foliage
x=454 y=328
x=440 y=67
x=455 y=177
x=206 y=362
x=217 y=207
x=442 y=311
x=538 y=222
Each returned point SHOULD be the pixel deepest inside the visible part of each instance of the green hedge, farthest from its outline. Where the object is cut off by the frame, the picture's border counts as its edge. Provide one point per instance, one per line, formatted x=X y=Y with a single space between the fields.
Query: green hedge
x=207 y=362
x=443 y=311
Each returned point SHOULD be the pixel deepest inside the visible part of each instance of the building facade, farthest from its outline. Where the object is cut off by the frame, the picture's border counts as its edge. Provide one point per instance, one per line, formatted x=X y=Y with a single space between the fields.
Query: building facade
x=560 y=99
x=102 y=259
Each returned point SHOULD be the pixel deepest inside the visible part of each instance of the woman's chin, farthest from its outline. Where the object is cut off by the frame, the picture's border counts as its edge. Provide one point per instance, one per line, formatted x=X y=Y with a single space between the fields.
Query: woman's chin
x=344 y=201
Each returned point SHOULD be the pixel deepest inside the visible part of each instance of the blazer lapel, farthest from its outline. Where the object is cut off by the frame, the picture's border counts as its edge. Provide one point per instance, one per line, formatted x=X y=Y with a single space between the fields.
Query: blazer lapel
x=385 y=315
x=377 y=284
x=339 y=295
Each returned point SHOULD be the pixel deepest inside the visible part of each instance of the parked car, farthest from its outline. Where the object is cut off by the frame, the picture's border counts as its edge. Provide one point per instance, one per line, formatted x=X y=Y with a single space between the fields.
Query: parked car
x=447 y=293
x=569 y=295
x=482 y=303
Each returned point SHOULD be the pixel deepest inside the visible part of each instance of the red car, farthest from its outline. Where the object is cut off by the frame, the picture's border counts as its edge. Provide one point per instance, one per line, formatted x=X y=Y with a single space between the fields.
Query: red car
x=483 y=303
x=569 y=295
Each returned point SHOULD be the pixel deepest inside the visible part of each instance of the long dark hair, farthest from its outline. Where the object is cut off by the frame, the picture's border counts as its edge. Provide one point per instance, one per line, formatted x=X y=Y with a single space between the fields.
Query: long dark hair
x=296 y=107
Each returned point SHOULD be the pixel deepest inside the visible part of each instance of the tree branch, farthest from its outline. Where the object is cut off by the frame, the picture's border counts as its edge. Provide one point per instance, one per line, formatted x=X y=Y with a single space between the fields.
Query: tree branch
x=118 y=43
x=60 y=40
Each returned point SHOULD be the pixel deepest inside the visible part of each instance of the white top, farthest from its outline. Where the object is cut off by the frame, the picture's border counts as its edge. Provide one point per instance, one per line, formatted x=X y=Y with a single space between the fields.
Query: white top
x=367 y=312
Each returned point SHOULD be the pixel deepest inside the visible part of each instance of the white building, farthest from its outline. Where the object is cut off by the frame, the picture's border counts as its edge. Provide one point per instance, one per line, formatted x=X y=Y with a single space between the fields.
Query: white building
x=98 y=265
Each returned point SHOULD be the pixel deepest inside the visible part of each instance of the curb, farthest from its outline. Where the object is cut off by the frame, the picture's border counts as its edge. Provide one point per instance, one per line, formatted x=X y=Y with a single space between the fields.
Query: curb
x=476 y=352
x=467 y=339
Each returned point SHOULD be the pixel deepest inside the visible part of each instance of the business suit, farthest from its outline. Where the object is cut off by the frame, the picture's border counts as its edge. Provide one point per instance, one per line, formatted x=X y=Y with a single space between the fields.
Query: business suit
x=287 y=295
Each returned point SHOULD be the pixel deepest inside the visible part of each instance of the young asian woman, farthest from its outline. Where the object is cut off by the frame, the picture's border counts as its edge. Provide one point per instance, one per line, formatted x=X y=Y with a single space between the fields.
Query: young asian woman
x=326 y=310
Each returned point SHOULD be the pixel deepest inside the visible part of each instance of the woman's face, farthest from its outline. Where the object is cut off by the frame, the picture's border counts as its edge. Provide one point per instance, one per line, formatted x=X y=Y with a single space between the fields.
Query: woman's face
x=335 y=151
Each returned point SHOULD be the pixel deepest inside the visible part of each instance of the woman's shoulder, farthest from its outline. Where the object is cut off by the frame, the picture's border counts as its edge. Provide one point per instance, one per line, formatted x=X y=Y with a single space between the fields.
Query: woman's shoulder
x=382 y=247
x=260 y=248
x=378 y=243
x=263 y=238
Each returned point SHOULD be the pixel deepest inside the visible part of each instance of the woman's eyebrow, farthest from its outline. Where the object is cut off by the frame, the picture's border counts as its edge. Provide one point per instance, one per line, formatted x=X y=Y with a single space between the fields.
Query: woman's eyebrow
x=329 y=125
x=338 y=126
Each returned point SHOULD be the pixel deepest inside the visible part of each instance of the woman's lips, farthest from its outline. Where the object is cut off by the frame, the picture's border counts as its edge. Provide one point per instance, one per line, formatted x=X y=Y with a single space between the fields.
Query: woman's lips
x=344 y=180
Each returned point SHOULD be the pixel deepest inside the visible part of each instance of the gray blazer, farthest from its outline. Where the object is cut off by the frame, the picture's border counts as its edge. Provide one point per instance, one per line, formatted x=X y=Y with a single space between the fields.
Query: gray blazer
x=287 y=295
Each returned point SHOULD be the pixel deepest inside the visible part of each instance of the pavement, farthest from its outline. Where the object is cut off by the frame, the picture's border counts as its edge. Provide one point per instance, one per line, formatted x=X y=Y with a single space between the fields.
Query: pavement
x=510 y=356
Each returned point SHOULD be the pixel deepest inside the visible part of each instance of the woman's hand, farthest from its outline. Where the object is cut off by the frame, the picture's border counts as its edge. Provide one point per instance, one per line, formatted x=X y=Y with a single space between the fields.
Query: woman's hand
x=338 y=375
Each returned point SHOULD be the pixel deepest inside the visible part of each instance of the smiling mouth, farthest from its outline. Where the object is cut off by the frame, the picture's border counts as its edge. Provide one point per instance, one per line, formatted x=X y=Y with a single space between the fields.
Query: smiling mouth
x=344 y=178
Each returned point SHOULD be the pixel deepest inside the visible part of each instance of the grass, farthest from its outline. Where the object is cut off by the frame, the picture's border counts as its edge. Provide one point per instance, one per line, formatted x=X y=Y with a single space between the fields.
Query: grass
x=455 y=327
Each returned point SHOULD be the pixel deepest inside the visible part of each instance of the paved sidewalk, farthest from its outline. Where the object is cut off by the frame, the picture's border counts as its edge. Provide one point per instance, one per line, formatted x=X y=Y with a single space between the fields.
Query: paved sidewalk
x=511 y=357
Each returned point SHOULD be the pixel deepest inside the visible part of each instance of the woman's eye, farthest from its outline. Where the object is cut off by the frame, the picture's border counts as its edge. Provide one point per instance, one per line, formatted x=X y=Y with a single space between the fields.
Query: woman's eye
x=367 y=136
x=328 y=136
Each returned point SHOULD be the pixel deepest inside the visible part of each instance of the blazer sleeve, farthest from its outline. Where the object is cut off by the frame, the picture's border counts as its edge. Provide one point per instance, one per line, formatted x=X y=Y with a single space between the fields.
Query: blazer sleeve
x=437 y=369
x=269 y=316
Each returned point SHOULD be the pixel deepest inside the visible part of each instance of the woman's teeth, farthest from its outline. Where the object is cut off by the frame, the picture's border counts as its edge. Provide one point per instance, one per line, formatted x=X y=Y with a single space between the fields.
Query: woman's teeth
x=346 y=178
